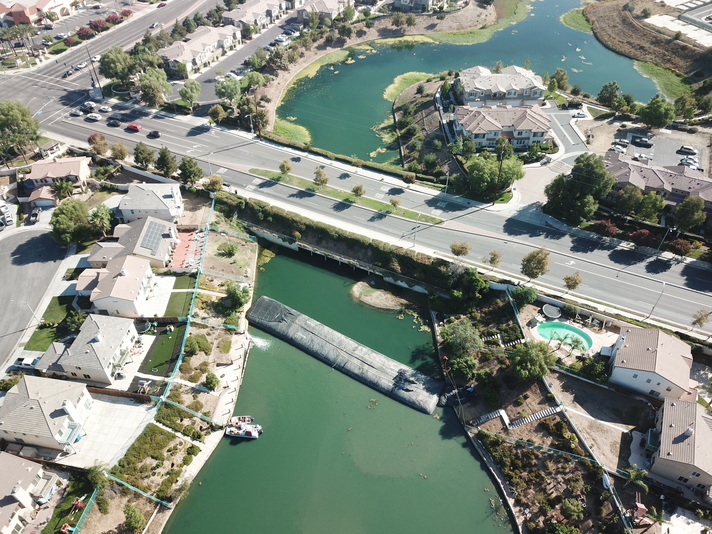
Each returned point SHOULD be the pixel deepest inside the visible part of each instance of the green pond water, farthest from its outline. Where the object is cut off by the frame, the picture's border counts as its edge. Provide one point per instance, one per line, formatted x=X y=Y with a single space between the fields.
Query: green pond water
x=335 y=455
x=342 y=103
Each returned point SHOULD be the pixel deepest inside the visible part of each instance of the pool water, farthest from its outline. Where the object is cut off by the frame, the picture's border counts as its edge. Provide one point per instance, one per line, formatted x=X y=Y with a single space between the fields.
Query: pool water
x=557 y=331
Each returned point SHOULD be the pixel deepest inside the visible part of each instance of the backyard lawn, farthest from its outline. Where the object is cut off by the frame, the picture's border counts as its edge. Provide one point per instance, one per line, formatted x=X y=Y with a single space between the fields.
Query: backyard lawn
x=162 y=351
x=78 y=487
x=184 y=282
x=55 y=313
x=179 y=304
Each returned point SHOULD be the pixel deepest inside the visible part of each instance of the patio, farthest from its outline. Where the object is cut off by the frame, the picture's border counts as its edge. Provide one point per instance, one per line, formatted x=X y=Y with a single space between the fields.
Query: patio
x=187 y=253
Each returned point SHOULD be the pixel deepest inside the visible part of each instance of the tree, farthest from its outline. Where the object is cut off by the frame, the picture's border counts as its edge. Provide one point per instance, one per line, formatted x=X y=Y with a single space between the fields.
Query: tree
x=535 y=264
x=211 y=381
x=217 y=113
x=348 y=13
x=135 y=521
x=155 y=87
x=70 y=221
x=98 y=25
x=229 y=90
x=313 y=20
x=572 y=281
x=119 y=151
x=553 y=86
x=395 y=202
x=85 y=32
x=18 y=128
x=636 y=477
x=650 y=207
x=215 y=183
x=681 y=247
x=530 y=361
x=562 y=79
x=488 y=176
x=643 y=238
x=237 y=295
x=63 y=189
x=190 y=171
x=560 y=528
x=285 y=167
x=166 y=163
x=689 y=214
x=572 y=509
x=608 y=94
x=628 y=200
x=257 y=60
x=460 y=248
x=277 y=59
x=464 y=367
x=74 y=320
x=358 y=190
x=115 y=64
x=143 y=156
x=700 y=318
x=461 y=338
x=657 y=113
x=685 y=106
x=98 y=143
x=190 y=92
x=96 y=475
x=523 y=295
x=320 y=177
x=100 y=218
x=410 y=20
x=493 y=259
x=574 y=198
x=398 y=19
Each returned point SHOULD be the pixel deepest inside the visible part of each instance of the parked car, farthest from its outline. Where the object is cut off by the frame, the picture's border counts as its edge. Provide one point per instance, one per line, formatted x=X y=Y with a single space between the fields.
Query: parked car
x=621 y=142
x=684 y=149
x=154 y=25
x=67 y=74
x=35 y=215
x=96 y=59
x=133 y=127
x=76 y=112
x=642 y=141
x=114 y=123
x=618 y=148
x=643 y=157
x=690 y=159
x=162 y=4
x=691 y=166
x=89 y=104
x=579 y=115
x=81 y=65
x=93 y=117
x=155 y=134
x=60 y=36
x=268 y=48
x=27 y=364
x=116 y=116
x=105 y=109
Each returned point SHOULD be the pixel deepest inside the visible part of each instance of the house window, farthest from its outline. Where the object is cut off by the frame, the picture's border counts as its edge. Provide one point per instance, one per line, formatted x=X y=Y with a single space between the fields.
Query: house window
x=87 y=376
x=654 y=393
x=526 y=91
x=683 y=480
x=648 y=381
x=20 y=440
x=701 y=486
x=73 y=374
x=78 y=368
x=658 y=383
x=668 y=388
x=695 y=474
x=635 y=375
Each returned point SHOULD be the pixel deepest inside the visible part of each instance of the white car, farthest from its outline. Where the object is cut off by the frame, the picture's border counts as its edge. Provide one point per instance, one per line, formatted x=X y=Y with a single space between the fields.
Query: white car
x=579 y=115
x=684 y=149
x=93 y=117
x=643 y=157
x=82 y=65
x=105 y=109
x=690 y=160
x=76 y=112
x=618 y=148
x=96 y=59
x=89 y=105
x=230 y=75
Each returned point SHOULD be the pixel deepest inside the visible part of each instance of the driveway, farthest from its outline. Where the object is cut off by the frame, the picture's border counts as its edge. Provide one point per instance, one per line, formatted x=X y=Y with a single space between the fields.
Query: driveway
x=29 y=259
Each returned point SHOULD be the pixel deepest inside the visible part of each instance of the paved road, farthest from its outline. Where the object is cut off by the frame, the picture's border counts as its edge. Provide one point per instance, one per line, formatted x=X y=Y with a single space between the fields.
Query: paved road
x=28 y=262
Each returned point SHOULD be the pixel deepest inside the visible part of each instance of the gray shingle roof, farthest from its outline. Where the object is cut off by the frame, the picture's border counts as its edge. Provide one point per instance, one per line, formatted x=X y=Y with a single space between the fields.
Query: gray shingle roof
x=34 y=405
x=686 y=434
x=148 y=237
x=512 y=77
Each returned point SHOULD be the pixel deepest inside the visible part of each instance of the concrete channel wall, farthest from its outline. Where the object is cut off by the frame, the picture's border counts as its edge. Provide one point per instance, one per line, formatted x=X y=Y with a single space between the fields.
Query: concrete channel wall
x=372 y=368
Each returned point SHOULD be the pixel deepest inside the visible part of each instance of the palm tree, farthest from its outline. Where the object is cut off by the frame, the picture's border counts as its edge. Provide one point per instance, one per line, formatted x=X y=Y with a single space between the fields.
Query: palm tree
x=657 y=517
x=637 y=477
x=63 y=189
x=576 y=343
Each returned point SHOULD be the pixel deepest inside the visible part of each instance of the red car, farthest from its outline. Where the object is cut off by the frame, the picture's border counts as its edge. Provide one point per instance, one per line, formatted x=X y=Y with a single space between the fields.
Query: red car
x=162 y=4
x=134 y=127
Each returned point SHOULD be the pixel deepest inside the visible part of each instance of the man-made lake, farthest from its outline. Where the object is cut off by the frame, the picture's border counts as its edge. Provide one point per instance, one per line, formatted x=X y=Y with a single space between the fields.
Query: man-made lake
x=336 y=456
x=343 y=102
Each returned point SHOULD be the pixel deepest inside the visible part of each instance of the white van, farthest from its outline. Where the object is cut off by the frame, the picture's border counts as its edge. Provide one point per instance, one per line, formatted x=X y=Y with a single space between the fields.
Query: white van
x=684 y=149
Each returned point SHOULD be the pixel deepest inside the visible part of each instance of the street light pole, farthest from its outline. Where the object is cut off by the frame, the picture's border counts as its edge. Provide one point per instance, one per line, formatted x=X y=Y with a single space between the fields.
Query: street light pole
x=656 y=302
x=662 y=240
x=29 y=308
x=447 y=180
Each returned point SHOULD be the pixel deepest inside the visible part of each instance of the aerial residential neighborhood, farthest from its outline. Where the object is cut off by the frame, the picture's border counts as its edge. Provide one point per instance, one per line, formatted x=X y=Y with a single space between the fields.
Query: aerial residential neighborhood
x=453 y=253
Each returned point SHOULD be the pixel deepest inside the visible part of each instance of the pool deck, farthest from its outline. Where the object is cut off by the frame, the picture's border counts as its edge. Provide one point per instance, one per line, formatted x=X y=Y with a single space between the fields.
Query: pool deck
x=600 y=338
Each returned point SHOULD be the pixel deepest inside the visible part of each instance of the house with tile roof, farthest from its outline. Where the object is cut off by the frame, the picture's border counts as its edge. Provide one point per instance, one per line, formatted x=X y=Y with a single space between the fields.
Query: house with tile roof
x=14 y=12
x=162 y=201
x=681 y=443
x=44 y=412
x=97 y=354
x=674 y=183
x=513 y=86
x=120 y=289
x=653 y=363
x=522 y=126
x=149 y=238
x=199 y=48
x=258 y=13
x=327 y=9
x=47 y=172
x=24 y=486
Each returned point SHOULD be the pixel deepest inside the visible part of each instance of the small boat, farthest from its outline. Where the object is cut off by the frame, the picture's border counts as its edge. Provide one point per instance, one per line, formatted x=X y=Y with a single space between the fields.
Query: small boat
x=243 y=430
x=241 y=419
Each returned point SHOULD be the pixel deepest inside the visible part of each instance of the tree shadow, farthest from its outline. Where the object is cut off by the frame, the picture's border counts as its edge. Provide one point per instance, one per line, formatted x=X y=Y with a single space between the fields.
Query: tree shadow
x=343 y=205
x=658 y=266
x=515 y=227
x=344 y=175
x=585 y=244
x=626 y=257
x=38 y=249
x=696 y=278
x=198 y=130
x=396 y=191
x=268 y=183
x=378 y=216
x=302 y=193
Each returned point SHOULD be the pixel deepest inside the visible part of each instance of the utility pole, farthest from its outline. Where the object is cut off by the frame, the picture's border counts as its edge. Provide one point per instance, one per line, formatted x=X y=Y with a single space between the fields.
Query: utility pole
x=656 y=302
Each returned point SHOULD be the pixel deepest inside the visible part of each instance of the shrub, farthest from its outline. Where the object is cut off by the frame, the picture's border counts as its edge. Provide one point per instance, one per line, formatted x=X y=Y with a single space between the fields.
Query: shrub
x=70 y=41
x=681 y=247
x=211 y=381
x=193 y=450
x=85 y=32
x=113 y=19
x=607 y=228
x=103 y=504
x=643 y=238
x=135 y=520
x=228 y=249
x=523 y=295
x=98 y=25
x=126 y=13
x=197 y=343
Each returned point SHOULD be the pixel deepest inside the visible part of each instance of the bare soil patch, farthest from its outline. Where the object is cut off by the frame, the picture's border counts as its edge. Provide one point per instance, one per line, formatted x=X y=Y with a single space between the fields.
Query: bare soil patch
x=378 y=298
x=196 y=210
x=113 y=521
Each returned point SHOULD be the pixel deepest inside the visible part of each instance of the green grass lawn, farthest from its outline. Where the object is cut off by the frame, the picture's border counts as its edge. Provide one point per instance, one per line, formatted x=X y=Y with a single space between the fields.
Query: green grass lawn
x=669 y=83
x=575 y=20
x=345 y=196
x=179 y=304
x=402 y=81
x=512 y=11
x=162 y=351
x=73 y=274
x=184 y=282
x=292 y=131
x=57 y=309
x=42 y=338
x=78 y=487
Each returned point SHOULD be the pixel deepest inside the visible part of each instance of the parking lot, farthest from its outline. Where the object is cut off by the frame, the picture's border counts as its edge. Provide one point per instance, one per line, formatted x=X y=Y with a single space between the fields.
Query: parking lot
x=665 y=149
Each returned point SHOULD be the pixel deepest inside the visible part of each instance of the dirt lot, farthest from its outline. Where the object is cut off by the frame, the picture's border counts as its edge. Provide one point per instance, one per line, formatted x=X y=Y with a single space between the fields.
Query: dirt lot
x=197 y=210
x=113 y=521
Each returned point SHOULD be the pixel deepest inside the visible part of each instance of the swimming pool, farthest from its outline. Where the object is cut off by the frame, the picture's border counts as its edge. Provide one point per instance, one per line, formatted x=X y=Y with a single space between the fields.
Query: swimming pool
x=556 y=331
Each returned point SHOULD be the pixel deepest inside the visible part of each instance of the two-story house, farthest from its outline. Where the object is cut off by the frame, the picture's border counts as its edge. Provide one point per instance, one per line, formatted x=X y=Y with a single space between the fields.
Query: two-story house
x=522 y=126
x=327 y=9
x=45 y=173
x=653 y=363
x=97 y=354
x=150 y=238
x=198 y=49
x=513 y=86
x=24 y=486
x=162 y=201
x=121 y=289
x=43 y=412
